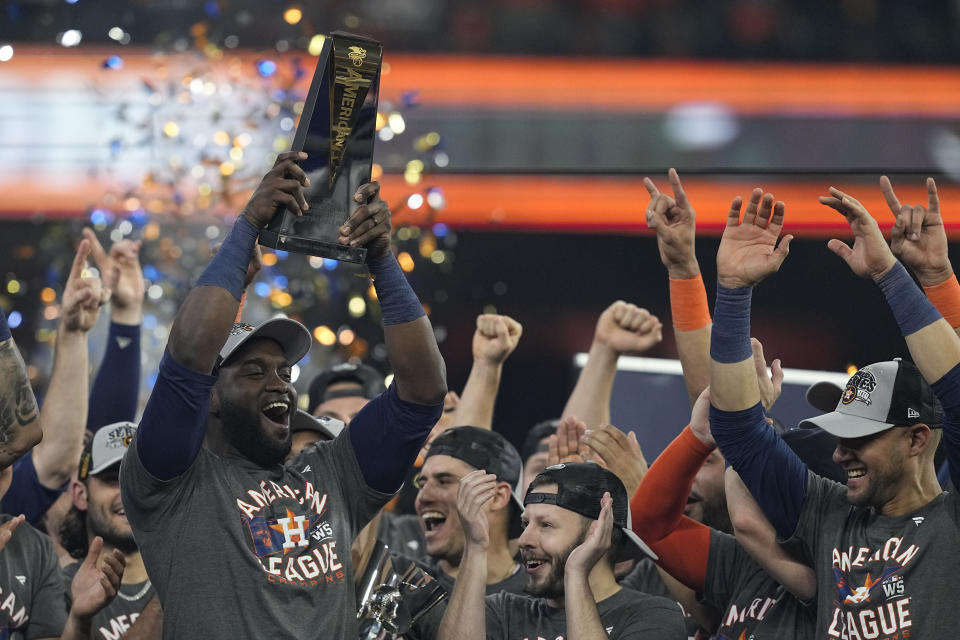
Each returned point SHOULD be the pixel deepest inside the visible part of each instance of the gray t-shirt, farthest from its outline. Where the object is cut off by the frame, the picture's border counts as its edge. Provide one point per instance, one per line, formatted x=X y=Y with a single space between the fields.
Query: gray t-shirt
x=752 y=604
x=240 y=551
x=118 y=616
x=881 y=576
x=626 y=615
x=31 y=589
x=429 y=625
x=645 y=578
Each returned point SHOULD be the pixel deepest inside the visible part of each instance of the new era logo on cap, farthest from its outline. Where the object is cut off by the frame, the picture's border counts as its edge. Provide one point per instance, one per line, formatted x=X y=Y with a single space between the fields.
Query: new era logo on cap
x=912 y=413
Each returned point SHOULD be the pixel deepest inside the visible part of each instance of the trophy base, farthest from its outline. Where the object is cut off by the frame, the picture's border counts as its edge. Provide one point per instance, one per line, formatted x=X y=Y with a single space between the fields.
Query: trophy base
x=312 y=246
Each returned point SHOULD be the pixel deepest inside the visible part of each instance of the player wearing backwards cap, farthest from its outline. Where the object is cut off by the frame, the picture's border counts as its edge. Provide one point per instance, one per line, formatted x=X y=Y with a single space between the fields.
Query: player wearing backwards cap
x=98 y=512
x=883 y=547
x=204 y=482
x=576 y=521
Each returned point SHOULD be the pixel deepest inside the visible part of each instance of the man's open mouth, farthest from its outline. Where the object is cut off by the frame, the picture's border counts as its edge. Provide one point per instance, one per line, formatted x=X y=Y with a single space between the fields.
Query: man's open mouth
x=278 y=412
x=432 y=520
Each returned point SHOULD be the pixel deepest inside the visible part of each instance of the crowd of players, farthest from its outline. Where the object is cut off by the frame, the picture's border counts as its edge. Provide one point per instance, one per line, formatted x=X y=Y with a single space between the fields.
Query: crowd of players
x=226 y=512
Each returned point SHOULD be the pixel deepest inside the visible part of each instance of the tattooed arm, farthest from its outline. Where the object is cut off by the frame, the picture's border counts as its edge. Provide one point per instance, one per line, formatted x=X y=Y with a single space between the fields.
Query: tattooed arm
x=19 y=424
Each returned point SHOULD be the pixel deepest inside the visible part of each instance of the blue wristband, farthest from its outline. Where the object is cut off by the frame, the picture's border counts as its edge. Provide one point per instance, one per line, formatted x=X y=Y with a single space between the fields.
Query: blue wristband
x=398 y=302
x=911 y=308
x=228 y=269
x=4 y=327
x=730 y=337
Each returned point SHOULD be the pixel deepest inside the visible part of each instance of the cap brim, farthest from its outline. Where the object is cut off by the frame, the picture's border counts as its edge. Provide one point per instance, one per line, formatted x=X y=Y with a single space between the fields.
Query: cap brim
x=824 y=396
x=844 y=425
x=106 y=465
x=293 y=338
x=634 y=547
x=515 y=526
x=328 y=427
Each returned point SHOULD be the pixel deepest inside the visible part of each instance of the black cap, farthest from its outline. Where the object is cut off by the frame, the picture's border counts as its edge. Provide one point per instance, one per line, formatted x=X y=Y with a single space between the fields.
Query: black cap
x=580 y=487
x=539 y=431
x=484 y=449
x=369 y=379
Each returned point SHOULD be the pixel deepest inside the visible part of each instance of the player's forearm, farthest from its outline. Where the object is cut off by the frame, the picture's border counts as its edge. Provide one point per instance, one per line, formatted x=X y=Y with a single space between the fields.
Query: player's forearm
x=733 y=376
x=945 y=296
x=77 y=628
x=19 y=417
x=583 y=619
x=419 y=370
x=479 y=395
x=692 y=326
x=590 y=399
x=465 y=617
x=149 y=624
x=759 y=538
x=64 y=413
x=206 y=316
x=658 y=504
x=116 y=387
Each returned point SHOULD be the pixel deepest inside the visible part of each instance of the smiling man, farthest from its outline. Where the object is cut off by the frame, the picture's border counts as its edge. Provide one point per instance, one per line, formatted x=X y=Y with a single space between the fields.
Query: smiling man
x=206 y=487
x=577 y=524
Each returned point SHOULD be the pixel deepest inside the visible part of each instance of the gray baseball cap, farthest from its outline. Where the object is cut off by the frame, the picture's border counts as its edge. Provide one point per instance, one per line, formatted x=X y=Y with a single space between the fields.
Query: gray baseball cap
x=328 y=427
x=293 y=338
x=878 y=397
x=106 y=448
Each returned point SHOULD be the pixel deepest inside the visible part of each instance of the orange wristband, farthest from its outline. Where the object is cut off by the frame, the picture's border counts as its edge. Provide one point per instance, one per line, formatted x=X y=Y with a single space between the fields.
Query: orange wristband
x=946 y=298
x=243 y=301
x=688 y=302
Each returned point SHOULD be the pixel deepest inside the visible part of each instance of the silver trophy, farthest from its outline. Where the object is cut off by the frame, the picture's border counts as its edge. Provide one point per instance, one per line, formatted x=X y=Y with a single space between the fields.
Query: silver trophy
x=393 y=594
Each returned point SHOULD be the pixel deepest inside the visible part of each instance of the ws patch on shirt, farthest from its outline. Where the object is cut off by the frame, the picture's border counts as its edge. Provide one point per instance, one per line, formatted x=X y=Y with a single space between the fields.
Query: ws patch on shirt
x=298 y=546
x=876 y=605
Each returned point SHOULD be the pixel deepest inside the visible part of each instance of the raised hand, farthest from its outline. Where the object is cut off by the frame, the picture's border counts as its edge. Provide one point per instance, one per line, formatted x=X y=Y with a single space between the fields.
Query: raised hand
x=82 y=297
x=870 y=256
x=281 y=186
x=770 y=385
x=94 y=587
x=120 y=272
x=495 y=338
x=700 y=419
x=918 y=238
x=476 y=489
x=582 y=559
x=626 y=328
x=256 y=263
x=675 y=223
x=619 y=452
x=748 y=250
x=564 y=445
x=369 y=226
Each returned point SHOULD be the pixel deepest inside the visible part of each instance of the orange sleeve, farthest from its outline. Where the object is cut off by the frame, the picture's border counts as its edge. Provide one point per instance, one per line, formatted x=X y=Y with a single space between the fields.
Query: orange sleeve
x=688 y=303
x=946 y=298
x=684 y=553
x=657 y=506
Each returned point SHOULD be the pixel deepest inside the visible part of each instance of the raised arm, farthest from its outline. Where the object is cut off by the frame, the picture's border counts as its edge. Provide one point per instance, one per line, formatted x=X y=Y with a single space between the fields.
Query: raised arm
x=93 y=587
x=465 y=617
x=674 y=220
x=174 y=422
x=918 y=239
x=116 y=387
x=388 y=433
x=494 y=340
x=933 y=344
x=748 y=253
x=19 y=423
x=64 y=412
x=621 y=329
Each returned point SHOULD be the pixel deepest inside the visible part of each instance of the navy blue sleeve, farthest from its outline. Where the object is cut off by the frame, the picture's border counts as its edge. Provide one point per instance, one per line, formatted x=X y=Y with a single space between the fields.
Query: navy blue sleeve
x=947 y=390
x=26 y=494
x=387 y=435
x=773 y=473
x=116 y=388
x=174 y=420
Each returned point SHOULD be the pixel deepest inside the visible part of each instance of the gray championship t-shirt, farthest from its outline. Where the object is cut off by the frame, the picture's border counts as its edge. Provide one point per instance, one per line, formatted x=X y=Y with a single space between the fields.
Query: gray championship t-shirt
x=240 y=551
x=31 y=589
x=115 y=619
x=429 y=625
x=752 y=604
x=881 y=577
x=626 y=615
x=645 y=578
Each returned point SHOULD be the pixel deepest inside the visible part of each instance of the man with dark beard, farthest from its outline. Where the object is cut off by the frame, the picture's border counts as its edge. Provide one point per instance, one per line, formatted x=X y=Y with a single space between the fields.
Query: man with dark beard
x=577 y=525
x=98 y=511
x=238 y=542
